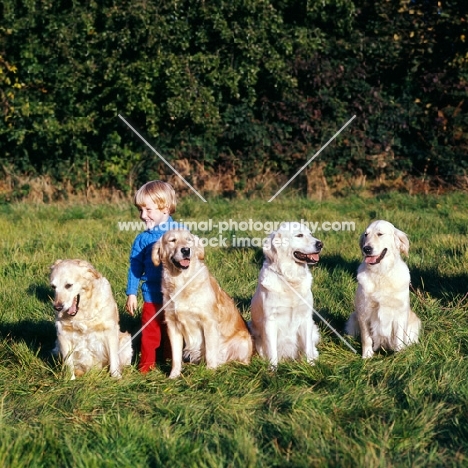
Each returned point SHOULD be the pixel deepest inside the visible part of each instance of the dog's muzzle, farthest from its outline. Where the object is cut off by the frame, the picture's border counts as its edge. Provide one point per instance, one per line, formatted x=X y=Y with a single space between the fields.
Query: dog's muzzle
x=184 y=263
x=73 y=310
x=372 y=259
x=310 y=258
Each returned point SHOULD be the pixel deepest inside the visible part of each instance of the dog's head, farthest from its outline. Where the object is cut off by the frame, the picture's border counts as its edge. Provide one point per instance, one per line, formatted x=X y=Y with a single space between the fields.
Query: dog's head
x=70 y=279
x=382 y=240
x=177 y=249
x=293 y=241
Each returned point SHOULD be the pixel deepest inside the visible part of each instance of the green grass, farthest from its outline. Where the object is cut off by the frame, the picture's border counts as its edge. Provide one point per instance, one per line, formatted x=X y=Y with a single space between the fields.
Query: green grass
x=406 y=409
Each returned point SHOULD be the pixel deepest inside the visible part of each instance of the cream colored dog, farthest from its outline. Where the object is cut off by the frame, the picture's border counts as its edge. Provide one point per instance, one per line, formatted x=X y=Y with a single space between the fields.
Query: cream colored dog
x=197 y=310
x=383 y=316
x=87 y=319
x=282 y=307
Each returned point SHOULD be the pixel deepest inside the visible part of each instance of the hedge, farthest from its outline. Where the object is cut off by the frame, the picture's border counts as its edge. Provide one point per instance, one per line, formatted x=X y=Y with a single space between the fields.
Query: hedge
x=253 y=85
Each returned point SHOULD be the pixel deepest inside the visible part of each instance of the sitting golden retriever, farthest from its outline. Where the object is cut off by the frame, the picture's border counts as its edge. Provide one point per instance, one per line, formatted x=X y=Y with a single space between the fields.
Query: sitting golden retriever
x=197 y=310
x=383 y=316
x=282 y=306
x=87 y=319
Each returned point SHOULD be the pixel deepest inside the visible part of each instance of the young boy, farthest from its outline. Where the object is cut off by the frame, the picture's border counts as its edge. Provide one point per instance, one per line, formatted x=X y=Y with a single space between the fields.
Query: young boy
x=156 y=201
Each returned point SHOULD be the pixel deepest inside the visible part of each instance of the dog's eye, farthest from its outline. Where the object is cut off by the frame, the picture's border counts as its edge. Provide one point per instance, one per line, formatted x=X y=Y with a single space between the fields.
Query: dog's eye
x=172 y=240
x=379 y=234
x=300 y=235
x=68 y=286
x=53 y=286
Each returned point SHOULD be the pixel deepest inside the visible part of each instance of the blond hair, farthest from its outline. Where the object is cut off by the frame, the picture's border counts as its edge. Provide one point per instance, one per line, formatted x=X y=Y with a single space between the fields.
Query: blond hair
x=161 y=193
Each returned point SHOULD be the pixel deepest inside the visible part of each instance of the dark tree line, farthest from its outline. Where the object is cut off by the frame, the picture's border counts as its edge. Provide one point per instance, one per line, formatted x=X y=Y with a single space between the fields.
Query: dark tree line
x=252 y=85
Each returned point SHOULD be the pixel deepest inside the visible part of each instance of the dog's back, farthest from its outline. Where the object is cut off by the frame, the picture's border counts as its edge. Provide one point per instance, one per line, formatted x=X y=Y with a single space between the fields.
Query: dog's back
x=236 y=340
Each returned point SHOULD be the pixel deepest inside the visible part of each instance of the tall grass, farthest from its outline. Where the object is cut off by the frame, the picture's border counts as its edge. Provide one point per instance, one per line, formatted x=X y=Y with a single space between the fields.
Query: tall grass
x=405 y=409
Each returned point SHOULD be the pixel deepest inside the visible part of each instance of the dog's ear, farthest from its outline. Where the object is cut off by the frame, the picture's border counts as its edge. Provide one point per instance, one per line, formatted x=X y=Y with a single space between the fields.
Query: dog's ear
x=269 y=247
x=93 y=274
x=401 y=241
x=199 y=249
x=156 y=253
x=57 y=262
x=90 y=272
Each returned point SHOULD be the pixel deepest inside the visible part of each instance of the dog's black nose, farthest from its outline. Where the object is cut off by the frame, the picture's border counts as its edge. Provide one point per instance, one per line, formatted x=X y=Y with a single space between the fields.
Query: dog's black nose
x=58 y=307
x=185 y=251
x=367 y=249
x=319 y=245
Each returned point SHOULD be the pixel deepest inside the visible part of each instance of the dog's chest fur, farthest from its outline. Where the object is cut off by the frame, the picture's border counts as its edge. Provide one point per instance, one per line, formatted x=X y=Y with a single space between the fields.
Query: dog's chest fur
x=180 y=291
x=377 y=280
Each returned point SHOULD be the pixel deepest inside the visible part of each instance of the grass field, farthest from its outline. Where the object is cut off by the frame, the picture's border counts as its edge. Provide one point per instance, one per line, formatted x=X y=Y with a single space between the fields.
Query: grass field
x=399 y=410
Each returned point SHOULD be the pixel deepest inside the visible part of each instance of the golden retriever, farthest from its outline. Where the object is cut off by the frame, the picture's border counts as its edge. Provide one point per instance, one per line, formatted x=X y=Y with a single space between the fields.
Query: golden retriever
x=383 y=316
x=198 y=312
x=282 y=306
x=87 y=319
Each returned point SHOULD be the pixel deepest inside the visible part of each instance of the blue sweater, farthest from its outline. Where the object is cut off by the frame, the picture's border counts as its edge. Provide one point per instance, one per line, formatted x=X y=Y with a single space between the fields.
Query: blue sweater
x=141 y=266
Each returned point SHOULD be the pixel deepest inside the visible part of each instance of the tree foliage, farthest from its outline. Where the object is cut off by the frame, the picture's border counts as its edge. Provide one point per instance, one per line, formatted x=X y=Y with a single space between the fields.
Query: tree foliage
x=253 y=84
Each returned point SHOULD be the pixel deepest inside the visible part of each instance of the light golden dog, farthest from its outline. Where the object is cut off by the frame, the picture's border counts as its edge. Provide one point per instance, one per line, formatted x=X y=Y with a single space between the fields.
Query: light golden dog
x=282 y=306
x=383 y=316
x=87 y=319
x=197 y=310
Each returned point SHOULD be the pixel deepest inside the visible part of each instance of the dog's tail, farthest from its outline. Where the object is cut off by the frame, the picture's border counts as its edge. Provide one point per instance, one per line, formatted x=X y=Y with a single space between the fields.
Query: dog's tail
x=352 y=325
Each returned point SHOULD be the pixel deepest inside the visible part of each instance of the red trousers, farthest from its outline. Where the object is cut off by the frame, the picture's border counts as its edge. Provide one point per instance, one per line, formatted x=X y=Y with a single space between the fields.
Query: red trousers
x=155 y=345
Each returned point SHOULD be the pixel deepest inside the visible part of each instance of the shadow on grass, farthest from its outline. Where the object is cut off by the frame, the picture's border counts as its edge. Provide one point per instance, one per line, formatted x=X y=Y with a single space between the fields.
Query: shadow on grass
x=41 y=292
x=39 y=335
x=336 y=262
x=429 y=281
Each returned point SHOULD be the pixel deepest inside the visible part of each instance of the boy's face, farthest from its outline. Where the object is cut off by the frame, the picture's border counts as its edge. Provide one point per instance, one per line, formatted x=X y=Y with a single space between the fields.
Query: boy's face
x=152 y=215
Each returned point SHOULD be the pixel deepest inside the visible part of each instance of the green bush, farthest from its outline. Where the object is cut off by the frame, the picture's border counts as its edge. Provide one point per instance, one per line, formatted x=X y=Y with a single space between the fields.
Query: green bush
x=252 y=83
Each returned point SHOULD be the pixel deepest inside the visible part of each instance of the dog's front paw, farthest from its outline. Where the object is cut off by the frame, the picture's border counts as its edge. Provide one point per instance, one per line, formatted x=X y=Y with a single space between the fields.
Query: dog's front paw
x=367 y=353
x=174 y=375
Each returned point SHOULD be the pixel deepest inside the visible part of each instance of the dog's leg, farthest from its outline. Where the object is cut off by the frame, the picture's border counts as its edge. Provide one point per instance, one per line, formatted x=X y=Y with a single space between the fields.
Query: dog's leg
x=113 y=353
x=363 y=312
x=270 y=339
x=352 y=325
x=177 y=346
x=366 y=339
x=212 y=345
x=400 y=336
x=308 y=338
x=125 y=349
x=66 y=352
x=312 y=341
x=413 y=328
x=391 y=327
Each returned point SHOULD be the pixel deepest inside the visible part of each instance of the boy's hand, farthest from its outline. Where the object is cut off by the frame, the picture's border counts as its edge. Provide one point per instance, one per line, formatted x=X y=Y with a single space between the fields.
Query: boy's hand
x=132 y=304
